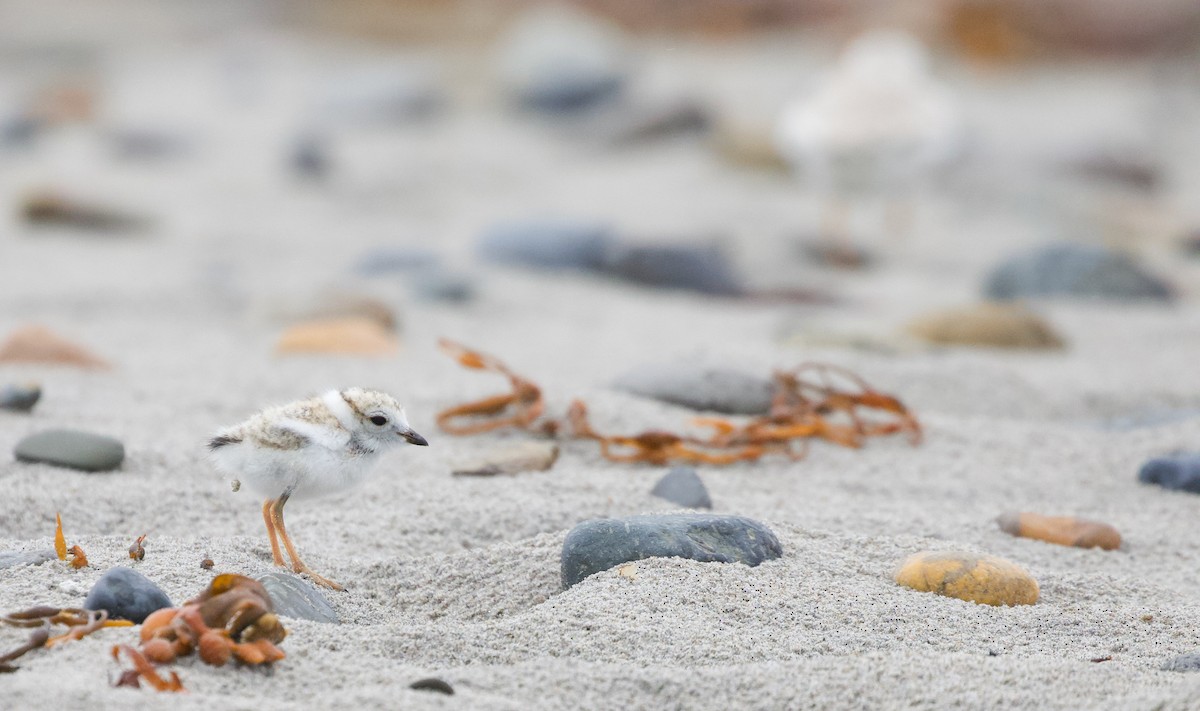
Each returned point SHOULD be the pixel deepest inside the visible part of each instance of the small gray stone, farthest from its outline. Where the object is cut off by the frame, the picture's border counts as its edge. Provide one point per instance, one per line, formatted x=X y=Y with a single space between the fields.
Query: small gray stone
x=20 y=398
x=683 y=486
x=558 y=60
x=11 y=559
x=310 y=157
x=1179 y=472
x=547 y=244
x=442 y=286
x=294 y=596
x=601 y=544
x=702 y=269
x=432 y=684
x=1183 y=663
x=1075 y=271
x=127 y=595
x=71 y=448
x=713 y=389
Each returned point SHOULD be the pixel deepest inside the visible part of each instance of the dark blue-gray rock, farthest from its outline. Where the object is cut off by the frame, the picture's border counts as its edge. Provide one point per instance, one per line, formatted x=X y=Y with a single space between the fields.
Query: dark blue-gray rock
x=11 y=559
x=432 y=684
x=73 y=449
x=442 y=285
x=19 y=130
x=547 y=244
x=381 y=261
x=1183 y=663
x=598 y=545
x=699 y=388
x=127 y=595
x=557 y=60
x=1075 y=271
x=294 y=596
x=1180 y=472
x=704 y=269
x=310 y=157
x=682 y=485
x=20 y=398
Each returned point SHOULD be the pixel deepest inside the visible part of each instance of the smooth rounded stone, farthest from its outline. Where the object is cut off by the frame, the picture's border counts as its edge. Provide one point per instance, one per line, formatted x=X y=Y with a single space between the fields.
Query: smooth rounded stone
x=12 y=559
x=711 y=389
x=559 y=60
x=982 y=579
x=835 y=253
x=20 y=398
x=310 y=157
x=432 y=684
x=344 y=336
x=46 y=208
x=386 y=260
x=601 y=544
x=295 y=597
x=38 y=344
x=514 y=459
x=683 y=486
x=989 y=325
x=73 y=449
x=127 y=595
x=1075 y=271
x=442 y=285
x=1183 y=663
x=1062 y=530
x=547 y=244
x=703 y=269
x=1179 y=472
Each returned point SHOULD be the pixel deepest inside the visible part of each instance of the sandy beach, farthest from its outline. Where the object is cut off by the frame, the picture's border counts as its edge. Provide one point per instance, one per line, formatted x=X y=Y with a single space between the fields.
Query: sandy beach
x=458 y=577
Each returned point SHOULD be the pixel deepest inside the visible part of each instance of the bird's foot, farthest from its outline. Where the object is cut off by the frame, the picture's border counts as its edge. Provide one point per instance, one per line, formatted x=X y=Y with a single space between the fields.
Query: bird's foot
x=302 y=569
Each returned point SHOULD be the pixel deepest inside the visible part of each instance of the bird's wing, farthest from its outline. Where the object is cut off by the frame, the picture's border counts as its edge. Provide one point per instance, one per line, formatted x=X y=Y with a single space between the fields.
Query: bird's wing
x=334 y=439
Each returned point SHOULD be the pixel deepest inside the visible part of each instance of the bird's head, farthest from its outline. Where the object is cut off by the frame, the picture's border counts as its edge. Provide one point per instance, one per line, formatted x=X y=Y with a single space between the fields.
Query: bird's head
x=381 y=418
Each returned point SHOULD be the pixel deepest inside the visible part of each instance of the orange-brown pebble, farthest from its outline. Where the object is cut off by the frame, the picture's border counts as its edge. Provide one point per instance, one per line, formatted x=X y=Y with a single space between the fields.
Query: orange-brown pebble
x=1063 y=530
x=38 y=344
x=988 y=325
x=984 y=579
x=157 y=620
x=346 y=336
x=158 y=651
x=215 y=648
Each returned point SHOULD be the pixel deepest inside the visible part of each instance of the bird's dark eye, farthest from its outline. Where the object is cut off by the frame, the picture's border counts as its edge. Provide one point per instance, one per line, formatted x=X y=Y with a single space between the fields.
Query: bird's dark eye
x=379 y=420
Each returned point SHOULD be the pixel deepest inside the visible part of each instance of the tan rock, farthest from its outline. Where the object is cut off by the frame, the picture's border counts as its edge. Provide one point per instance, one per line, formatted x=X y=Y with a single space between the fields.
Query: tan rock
x=345 y=336
x=523 y=457
x=38 y=344
x=1063 y=530
x=989 y=325
x=982 y=579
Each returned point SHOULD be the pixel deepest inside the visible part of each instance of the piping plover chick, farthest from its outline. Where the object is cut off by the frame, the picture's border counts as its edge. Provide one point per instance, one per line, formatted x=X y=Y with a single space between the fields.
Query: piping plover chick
x=309 y=448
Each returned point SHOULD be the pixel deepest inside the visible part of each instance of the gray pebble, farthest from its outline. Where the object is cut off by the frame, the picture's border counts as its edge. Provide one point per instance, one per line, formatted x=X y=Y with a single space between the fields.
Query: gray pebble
x=127 y=595
x=12 y=559
x=1179 y=472
x=20 y=398
x=1075 y=271
x=711 y=389
x=71 y=448
x=547 y=244
x=601 y=544
x=384 y=260
x=442 y=286
x=432 y=684
x=683 y=486
x=702 y=269
x=294 y=596
x=1183 y=663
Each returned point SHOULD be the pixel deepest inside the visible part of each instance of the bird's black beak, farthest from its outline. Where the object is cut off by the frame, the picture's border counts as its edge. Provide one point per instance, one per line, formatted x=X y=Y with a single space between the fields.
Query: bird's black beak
x=414 y=438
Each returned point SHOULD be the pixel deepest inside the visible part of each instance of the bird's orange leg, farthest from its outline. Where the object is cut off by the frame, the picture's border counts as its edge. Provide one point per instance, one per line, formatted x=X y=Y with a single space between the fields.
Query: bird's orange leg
x=297 y=565
x=268 y=517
